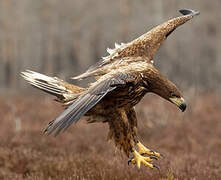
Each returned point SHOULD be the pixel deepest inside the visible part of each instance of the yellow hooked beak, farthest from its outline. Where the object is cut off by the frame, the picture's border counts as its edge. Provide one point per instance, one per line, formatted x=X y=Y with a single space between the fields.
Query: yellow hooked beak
x=180 y=102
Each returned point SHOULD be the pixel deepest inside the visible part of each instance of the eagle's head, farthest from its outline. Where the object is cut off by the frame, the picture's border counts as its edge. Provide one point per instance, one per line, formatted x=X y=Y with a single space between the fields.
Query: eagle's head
x=160 y=85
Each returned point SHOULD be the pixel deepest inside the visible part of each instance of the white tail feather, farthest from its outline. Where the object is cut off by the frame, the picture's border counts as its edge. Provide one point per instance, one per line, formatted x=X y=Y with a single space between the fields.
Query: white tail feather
x=48 y=84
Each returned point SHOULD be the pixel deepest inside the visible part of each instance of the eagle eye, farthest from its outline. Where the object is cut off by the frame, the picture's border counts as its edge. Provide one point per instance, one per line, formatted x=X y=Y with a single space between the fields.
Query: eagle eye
x=173 y=95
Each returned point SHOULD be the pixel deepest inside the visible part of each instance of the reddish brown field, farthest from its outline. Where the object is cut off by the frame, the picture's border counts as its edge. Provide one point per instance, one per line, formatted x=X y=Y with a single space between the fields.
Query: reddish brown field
x=190 y=142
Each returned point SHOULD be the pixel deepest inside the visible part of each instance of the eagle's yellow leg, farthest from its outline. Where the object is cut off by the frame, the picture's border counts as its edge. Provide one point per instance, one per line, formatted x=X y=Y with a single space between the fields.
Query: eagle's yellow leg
x=138 y=159
x=144 y=150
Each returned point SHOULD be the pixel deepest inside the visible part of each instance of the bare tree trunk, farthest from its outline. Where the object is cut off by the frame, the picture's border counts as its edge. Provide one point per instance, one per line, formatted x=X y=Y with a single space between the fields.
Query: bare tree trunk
x=125 y=10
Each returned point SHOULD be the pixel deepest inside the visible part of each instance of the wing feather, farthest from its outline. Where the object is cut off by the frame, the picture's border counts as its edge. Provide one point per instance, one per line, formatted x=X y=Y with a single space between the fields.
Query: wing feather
x=85 y=102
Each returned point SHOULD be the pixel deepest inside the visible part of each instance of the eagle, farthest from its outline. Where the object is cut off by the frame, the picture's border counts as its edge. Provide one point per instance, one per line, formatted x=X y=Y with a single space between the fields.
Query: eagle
x=121 y=80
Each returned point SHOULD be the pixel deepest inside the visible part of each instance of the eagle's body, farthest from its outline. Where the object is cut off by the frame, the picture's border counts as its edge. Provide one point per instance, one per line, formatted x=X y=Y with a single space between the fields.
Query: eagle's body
x=122 y=80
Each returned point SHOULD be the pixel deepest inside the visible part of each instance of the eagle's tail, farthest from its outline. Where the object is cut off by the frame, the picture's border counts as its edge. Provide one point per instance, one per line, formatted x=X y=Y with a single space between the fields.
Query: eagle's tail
x=64 y=91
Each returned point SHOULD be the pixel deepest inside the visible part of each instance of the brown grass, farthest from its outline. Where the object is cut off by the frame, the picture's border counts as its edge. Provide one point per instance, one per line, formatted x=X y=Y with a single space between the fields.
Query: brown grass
x=190 y=142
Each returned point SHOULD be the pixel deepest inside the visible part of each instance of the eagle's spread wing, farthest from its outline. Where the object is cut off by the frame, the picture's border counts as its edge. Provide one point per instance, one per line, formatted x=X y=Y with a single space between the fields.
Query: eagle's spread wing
x=86 y=101
x=144 y=46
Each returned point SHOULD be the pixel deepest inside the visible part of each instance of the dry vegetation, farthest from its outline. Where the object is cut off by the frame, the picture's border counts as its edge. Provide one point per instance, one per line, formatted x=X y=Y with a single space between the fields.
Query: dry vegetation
x=190 y=142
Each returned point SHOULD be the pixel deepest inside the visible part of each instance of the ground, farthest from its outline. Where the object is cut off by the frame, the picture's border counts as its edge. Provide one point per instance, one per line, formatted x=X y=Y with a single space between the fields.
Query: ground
x=190 y=142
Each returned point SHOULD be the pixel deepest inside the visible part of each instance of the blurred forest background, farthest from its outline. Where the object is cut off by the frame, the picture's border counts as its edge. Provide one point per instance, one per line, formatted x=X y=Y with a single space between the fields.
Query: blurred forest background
x=63 y=38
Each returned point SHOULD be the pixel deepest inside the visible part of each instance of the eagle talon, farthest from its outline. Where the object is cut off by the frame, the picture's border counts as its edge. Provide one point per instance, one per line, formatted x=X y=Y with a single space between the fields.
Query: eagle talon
x=144 y=150
x=138 y=159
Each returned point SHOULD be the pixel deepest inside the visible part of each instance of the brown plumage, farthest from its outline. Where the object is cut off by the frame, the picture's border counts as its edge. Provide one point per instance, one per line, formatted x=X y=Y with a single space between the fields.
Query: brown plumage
x=122 y=79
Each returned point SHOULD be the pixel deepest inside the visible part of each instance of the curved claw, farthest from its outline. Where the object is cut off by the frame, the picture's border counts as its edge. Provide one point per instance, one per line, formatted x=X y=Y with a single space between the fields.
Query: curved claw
x=155 y=166
x=153 y=157
x=157 y=154
x=130 y=160
x=154 y=153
